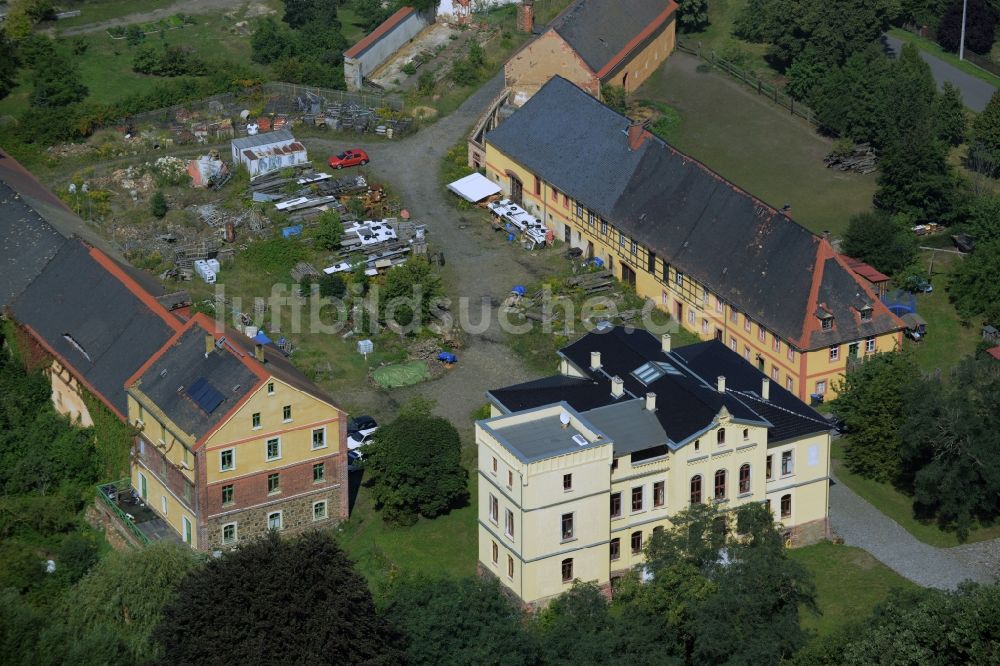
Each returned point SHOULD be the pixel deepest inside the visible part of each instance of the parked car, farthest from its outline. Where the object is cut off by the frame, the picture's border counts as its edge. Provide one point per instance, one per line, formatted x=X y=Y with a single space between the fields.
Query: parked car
x=357 y=440
x=355 y=460
x=363 y=424
x=918 y=285
x=349 y=158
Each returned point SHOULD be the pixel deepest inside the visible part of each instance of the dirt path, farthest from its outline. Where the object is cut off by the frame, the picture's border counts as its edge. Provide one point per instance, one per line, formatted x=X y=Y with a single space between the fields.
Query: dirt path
x=181 y=6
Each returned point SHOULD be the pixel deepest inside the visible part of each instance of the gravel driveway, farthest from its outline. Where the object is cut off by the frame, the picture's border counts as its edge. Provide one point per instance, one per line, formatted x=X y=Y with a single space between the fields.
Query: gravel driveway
x=864 y=526
x=479 y=265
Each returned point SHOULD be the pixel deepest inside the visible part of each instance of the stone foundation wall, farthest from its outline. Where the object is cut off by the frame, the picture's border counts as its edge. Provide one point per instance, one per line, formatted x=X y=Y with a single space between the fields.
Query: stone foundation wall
x=297 y=516
x=808 y=533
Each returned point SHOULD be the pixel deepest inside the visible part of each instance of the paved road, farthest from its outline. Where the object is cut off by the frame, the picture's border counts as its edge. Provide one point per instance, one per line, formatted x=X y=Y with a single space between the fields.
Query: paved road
x=975 y=92
x=864 y=526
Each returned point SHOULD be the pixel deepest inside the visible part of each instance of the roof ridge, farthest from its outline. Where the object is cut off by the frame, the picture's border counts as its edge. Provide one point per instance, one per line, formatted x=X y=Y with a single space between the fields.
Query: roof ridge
x=134 y=287
x=753 y=396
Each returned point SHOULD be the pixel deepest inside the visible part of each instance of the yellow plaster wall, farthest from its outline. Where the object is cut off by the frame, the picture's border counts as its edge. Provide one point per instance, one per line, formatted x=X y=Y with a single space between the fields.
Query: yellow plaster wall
x=158 y=495
x=643 y=64
x=66 y=396
x=548 y=56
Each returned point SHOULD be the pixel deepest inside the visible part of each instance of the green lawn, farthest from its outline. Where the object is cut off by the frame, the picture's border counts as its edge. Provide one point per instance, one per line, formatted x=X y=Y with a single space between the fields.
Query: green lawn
x=899 y=506
x=928 y=46
x=718 y=37
x=445 y=546
x=106 y=66
x=350 y=24
x=948 y=341
x=757 y=145
x=94 y=11
x=849 y=584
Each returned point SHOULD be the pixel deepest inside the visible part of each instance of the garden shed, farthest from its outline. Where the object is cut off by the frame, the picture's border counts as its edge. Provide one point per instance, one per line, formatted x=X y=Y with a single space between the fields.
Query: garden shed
x=271 y=151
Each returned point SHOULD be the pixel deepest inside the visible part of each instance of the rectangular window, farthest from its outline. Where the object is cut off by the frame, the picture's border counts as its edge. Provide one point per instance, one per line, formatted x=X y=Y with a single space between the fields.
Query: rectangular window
x=565 y=202
x=732 y=342
x=255 y=420
x=494 y=469
x=636 y=543
x=510 y=567
x=273 y=448
x=604 y=227
x=273 y=483
x=227 y=494
x=319 y=472
x=869 y=345
x=718 y=305
x=786 y=506
x=494 y=510
x=659 y=493
x=319 y=438
x=616 y=505
x=579 y=211
x=704 y=325
x=775 y=374
x=621 y=239
x=651 y=263
x=538 y=186
x=270 y=388
x=637 y=499
x=679 y=279
x=746 y=352
x=567 y=482
x=319 y=510
x=834 y=353
x=567 y=526
x=821 y=387
x=734 y=315
x=286 y=412
x=227 y=460
x=761 y=334
x=786 y=463
x=633 y=247
x=510 y=479
x=616 y=548
x=746 y=322
x=827 y=323
x=508 y=523
x=555 y=193
x=496 y=552
x=767 y=469
x=274 y=521
x=788 y=384
x=776 y=344
x=229 y=533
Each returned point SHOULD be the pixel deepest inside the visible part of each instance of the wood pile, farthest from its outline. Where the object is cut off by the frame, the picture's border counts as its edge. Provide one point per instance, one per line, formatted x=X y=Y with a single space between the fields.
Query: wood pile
x=303 y=270
x=592 y=283
x=860 y=159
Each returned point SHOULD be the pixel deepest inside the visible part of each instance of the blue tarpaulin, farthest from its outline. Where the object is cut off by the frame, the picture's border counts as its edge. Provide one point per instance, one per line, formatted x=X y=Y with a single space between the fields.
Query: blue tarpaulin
x=289 y=232
x=261 y=339
x=447 y=357
x=519 y=290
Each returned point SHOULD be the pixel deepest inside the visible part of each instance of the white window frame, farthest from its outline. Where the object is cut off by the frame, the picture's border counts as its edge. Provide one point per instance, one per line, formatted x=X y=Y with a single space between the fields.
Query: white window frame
x=326 y=511
x=236 y=534
x=572 y=527
x=791 y=463
x=869 y=345
x=289 y=419
x=834 y=353
x=187 y=530
x=163 y=504
x=493 y=509
x=313 y=443
x=267 y=443
x=281 y=520
x=255 y=421
x=223 y=468
x=821 y=387
x=508 y=523
x=270 y=388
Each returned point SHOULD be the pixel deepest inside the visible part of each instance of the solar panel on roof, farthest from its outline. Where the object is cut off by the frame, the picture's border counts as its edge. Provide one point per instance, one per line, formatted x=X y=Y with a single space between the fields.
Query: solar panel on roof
x=206 y=396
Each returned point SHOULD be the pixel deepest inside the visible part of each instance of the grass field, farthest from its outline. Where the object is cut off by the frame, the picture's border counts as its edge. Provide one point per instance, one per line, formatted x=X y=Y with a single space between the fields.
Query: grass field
x=106 y=66
x=718 y=37
x=757 y=145
x=948 y=341
x=849 y=583
x=94 y=11
x=899 y=506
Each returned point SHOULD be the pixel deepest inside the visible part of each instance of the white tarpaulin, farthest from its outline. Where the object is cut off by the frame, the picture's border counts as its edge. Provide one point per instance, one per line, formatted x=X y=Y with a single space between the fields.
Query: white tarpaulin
x=474 y=187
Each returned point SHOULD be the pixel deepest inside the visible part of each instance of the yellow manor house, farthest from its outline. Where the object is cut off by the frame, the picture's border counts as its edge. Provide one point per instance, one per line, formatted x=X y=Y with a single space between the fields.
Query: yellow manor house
x=725 y=265
x=576 y=471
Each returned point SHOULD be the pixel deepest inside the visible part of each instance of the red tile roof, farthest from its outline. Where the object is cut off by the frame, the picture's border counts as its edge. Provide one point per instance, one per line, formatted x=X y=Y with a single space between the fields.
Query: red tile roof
x=864 y=270
x=994 y=352
x=379 y=32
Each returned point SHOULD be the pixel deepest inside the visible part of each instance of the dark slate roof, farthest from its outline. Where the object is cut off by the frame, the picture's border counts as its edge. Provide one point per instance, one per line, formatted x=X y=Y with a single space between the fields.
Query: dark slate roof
x=742 y=249
x=92 y=320
x=27 y=243
x=181 y=365
x=598 y=30
x=687 y=397
x=789 y=416
x=278 y=365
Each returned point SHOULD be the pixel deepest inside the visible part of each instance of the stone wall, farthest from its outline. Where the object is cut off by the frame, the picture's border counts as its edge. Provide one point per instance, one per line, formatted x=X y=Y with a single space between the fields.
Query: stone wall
x=297 y=516
x=809 y=533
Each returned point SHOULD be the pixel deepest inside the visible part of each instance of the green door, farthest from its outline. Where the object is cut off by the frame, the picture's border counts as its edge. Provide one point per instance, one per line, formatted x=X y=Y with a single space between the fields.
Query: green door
x=142 y=485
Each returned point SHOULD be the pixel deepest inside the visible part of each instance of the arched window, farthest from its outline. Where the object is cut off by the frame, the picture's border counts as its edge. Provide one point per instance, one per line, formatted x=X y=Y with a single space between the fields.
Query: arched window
x=720 y=436
x=636 y=542
x=696 y=489
x=567 y=570
x=746 y=434
x=786 y=506
x=720 y=484
x=744 y=479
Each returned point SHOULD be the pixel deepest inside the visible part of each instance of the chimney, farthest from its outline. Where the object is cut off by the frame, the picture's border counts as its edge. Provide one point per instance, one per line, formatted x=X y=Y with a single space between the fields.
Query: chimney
x=651 y=402
x=765 y=388
x=721 y=384
x=636 y=135
x=595 y=360
x=665 y=342
x=526 y=16
x=209 y=344
x=258 y=352
x=617 y=387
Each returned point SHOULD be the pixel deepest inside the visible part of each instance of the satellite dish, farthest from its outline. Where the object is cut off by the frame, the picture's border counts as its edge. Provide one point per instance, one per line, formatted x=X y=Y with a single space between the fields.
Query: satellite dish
x=564 y=419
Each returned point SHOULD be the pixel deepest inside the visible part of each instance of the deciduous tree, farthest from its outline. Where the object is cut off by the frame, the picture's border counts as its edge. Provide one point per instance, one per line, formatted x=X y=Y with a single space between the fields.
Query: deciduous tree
x=878 y=239
x=295 y=601
x=973 y=286
x=692 y=15
x=414 y=468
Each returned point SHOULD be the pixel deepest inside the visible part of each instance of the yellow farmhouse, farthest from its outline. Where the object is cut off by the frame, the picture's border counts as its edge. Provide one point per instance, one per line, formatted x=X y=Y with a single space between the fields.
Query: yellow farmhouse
x=233 y=440
x=576 y=471
x=725 y=264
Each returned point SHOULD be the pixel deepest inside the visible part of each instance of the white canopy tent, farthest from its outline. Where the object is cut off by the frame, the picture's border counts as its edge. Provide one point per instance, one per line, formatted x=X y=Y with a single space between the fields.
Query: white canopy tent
x=474 y=187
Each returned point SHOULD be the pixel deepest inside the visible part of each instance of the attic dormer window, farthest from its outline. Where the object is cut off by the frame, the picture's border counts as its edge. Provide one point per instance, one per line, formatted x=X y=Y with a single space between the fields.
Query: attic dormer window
x=866 y=313
x=826 y=319
x=827 y=323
